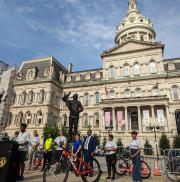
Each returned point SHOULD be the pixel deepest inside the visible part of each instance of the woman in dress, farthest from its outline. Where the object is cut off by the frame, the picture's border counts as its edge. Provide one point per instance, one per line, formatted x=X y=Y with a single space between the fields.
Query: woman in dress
x=135 y=150
x=111 y=149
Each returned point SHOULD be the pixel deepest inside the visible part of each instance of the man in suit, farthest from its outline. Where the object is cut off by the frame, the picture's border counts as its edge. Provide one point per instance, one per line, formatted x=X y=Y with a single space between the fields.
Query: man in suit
x=89 y=147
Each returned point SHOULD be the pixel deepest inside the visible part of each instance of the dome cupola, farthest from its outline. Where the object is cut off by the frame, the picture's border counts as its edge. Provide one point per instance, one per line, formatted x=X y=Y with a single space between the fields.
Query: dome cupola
x=135 y=26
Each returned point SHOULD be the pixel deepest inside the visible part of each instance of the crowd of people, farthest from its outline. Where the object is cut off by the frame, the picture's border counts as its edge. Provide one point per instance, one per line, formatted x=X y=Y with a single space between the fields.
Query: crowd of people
x=28 y=147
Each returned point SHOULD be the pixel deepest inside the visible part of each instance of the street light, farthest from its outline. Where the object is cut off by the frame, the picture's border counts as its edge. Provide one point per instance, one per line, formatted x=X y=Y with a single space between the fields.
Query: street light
x=155 y=129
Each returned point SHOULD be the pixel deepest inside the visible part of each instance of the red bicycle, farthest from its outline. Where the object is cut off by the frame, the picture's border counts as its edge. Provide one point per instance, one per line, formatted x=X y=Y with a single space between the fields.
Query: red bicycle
x=61 y=168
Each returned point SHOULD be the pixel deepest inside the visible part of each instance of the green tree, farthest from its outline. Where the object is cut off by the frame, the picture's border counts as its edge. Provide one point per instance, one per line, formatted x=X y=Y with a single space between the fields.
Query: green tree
x=164 y=143
x=49 y=129
x=176 y=142
x=148 y=148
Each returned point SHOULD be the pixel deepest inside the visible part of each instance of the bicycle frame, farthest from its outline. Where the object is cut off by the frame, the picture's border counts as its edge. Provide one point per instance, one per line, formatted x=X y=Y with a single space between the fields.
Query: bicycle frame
x=82 y=164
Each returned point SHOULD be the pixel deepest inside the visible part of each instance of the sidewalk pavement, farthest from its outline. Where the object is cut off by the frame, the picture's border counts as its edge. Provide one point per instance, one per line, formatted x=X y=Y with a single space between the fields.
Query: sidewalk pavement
x=36 y=176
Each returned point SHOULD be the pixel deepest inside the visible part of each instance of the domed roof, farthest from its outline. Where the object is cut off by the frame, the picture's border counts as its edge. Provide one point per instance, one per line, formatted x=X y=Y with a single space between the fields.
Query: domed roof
x=135 y=26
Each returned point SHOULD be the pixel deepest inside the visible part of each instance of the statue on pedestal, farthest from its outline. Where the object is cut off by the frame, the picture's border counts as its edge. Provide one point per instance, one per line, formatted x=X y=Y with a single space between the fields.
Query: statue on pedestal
x=75 y=107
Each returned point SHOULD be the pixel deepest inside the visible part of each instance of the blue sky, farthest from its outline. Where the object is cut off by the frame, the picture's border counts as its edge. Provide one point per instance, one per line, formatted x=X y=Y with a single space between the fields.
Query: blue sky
x=77 y=31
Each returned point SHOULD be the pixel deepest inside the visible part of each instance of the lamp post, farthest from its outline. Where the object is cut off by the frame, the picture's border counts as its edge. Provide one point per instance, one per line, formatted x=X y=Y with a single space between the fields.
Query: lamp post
x=155 y=129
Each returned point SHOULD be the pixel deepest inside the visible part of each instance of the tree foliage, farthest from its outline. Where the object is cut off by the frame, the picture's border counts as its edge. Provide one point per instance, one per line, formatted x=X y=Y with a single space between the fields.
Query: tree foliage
x=164 y=143
x=148 y=148
x=176 y=142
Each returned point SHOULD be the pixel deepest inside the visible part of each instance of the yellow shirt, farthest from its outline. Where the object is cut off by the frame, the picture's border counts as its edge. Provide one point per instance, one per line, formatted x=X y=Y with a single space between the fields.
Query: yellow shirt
x=48 y=144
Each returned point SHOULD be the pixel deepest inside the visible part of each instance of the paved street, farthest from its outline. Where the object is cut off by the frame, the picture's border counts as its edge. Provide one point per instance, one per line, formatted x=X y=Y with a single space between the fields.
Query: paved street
x=36 y=176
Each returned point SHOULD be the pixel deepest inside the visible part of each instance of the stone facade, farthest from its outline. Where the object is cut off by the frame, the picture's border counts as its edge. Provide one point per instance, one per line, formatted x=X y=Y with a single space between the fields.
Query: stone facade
x=136 y=88
x=6 y=91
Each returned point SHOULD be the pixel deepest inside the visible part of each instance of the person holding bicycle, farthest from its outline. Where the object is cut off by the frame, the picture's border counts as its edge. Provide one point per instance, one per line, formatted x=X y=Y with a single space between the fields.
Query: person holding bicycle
x=77 y=146
x=135 y=150
x=111 y=149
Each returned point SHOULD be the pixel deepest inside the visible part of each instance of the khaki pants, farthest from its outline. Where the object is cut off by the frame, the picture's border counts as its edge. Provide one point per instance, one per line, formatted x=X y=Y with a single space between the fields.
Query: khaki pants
x=32 y=158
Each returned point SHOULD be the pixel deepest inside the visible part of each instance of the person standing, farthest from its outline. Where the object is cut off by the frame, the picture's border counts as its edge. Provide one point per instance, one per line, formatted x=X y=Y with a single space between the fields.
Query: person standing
x=33 y=147
x=23 y=141
x=135 y=150
x=111 y=149
x=61 y=143
x=89 y=147
x=47 y=150
x=77 y=146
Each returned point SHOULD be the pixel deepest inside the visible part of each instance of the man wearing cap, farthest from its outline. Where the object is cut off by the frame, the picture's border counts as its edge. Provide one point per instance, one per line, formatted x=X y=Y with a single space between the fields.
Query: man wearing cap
x=75 y=107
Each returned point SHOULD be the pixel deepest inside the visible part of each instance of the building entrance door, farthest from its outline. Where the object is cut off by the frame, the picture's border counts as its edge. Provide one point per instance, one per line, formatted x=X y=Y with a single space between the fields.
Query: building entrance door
x=134 y=121
x=177 y=115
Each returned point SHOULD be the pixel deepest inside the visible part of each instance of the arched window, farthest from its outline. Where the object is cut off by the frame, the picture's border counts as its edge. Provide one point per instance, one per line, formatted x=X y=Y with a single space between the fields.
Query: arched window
x=14 y=98
x=152 y=67
x=111 y=72
x=86 y=99
x=31 y=95
x=126 y=70
x=175 y=92
x=138 y=92
x=42 y=96
x=155 y=91
x=65 y=121
x=97 y=97
x=23 y=98
x=85 y=120
x=10 y=118
x=127 y=93
x=96 y=119
x=136 y=69
x=28 y=117
x=39 y=117
x=20 y=117
x=112 y=94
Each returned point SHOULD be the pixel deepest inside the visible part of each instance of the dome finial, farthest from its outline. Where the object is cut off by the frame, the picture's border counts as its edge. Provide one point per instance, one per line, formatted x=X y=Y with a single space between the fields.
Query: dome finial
x=132 y=6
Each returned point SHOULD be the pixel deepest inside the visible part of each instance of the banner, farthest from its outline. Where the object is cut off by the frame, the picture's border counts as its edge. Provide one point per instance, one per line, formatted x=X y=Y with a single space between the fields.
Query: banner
x=120 y=118
x=146 y=117
x=160 y=117
x=107 y=119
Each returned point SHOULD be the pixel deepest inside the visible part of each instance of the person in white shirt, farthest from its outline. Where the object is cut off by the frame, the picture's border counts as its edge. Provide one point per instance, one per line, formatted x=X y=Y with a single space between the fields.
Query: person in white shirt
x=33 y=147
x=60 y=143
x=23 y=141
x=111 y=149
x=135 y=150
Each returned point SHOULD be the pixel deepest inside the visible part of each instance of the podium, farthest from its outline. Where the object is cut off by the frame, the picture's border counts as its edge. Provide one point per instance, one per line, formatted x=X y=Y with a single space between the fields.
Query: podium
x=8 y=161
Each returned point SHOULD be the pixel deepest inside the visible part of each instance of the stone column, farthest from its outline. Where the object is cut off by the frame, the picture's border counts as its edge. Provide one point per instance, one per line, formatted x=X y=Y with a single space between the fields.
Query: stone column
x=153 y=122
x=102 y=119
x=126 y=119
x=168 y=119
x=139 y=119
x=114 y=119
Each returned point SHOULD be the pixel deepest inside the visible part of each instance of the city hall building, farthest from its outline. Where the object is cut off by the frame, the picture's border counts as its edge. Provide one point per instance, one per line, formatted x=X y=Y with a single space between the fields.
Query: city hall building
x=136 y=88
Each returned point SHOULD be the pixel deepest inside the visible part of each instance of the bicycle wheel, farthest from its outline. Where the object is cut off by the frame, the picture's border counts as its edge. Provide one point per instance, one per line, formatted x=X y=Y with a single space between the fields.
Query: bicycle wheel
x=121 y=166
x=145 y=170
x=57 y=170
x=95 y=175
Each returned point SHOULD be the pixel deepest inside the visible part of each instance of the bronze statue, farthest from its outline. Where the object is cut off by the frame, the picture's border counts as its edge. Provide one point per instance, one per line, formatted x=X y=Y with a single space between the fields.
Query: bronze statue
x=75 y=107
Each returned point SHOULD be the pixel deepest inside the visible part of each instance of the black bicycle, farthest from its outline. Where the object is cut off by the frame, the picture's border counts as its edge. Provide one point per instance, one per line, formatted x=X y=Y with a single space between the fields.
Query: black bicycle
x=124 y=165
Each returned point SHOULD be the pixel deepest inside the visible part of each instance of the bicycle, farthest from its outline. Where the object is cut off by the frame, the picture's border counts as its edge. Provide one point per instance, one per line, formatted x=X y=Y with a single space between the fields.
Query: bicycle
x=68 y=163
x=124 y=165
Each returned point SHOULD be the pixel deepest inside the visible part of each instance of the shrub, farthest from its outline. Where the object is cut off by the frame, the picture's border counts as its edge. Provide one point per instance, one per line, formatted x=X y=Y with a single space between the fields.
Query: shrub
x=164 y=143
x=148 y=148
x=176 y=142
x=119 y=145
x=97 y=139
